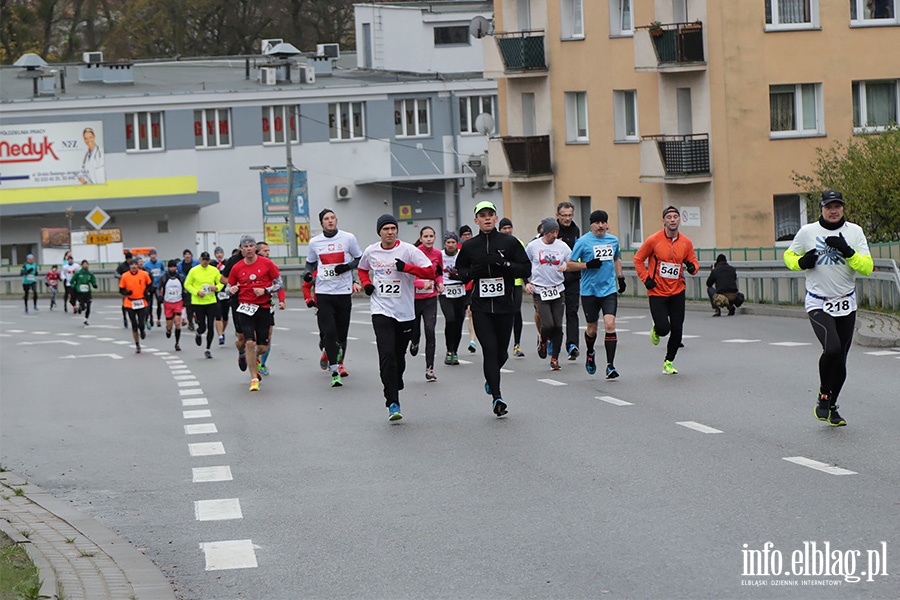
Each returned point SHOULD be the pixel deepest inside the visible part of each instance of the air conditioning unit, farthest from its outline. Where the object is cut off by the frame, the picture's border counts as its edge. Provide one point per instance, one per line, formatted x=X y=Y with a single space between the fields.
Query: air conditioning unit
x=342 y=192
x=268 y=75
x=329 y=50
x=92 y=57
x=266 y=45
x=307 y=74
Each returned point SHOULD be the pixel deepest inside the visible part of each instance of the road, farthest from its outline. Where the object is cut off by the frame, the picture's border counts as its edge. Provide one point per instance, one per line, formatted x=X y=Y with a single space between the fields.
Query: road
x=649 y=486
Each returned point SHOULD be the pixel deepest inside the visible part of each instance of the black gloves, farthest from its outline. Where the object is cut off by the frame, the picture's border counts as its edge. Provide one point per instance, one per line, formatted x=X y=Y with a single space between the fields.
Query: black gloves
x=621 y=281
x=840 y=244
x=453 y=273
x=649 y=283
x=808 y=260
x=124 y=292
x=307 y=277
x=310 y=304
x=369 y=289
x=401 y=266
x=342 y=268
x=690 y=268
x=594 y=263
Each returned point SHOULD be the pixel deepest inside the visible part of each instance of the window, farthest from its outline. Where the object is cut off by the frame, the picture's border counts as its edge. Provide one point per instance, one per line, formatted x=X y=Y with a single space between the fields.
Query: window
x=144 y=132
x=625 y=115
x=469 y=109
x=212 y=128
x=791 y=14
x=874 y=105
x=621 y=19
x=572 y=17
x=789 y=209
x=273 y=120
x=630 y=229
x=795 y=110
x=458 y=35
x=412 y=117
x=873 y=12
x=346 y=121
x=162 y=226
x=576 y=117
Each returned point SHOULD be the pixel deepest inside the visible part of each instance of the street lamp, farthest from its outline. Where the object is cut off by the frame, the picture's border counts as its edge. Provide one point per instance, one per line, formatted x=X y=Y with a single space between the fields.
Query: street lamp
x=292 y=219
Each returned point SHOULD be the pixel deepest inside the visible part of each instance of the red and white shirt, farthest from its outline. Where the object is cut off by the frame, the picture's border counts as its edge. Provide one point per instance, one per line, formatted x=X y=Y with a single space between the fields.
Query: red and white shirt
x=259 y=274
x=394 y=294
x=338 y=249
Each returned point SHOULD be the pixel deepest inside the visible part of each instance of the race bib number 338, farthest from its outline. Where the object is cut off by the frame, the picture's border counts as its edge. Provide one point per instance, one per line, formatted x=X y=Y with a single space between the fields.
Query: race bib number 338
x=491 y=287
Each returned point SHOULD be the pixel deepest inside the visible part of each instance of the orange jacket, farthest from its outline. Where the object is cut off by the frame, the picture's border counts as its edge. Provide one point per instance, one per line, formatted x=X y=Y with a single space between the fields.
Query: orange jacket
x=663 y=255
x=136 y=284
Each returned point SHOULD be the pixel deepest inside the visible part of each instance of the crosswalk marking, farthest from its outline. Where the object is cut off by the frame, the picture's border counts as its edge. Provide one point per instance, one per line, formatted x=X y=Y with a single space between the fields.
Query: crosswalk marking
x=206 y=448
x=197 y=414
x=229 y=554
x=200 y=428
x=740 y=341
x=222 y=509
x=210 y=474
x=790 y=344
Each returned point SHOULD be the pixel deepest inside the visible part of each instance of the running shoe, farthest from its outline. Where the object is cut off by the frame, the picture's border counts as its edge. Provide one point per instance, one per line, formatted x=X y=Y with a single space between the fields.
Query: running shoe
x=448 y=359
x=198 y=338
x=159 y=323
x=26 y=310
x=834 y=419
x=168 y=333
x=36 y=309
x=254 y=385
x=222 y=340
x=143 y=334
x=414 y=348
x=542 y=349
x=342 y=371
x=207 y=354
x=242 y=362
x=591 y=363
x=455 y=359
x=190 y=325
x=430 y=376
x=487 y=388
x=149 y=325
x=554 y=364
x=500 y=408
x=263 y=370
x=823 y=407
x=137 y=349
x=517 y=351
x=573 y=352
x=85 y=322
x=394 y=412
x=472 y=347
x=336 y=380
x=611 y=372
x=124 y=323
x=260 y=369
x=177 y=348
x=654 y=338
x=669 y=368
x=323 y=361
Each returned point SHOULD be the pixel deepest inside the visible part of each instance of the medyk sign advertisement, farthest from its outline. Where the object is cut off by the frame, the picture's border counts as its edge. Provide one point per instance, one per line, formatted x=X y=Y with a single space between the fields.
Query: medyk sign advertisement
x=35 y=156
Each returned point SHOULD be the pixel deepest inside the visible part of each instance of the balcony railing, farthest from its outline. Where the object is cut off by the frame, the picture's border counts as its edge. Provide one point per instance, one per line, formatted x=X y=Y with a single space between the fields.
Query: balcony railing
x=527 y=155
x=683 y=154
x=522 y=50
x=677 y=42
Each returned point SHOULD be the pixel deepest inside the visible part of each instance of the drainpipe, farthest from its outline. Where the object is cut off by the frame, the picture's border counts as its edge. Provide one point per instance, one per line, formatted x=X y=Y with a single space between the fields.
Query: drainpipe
x=455 y=132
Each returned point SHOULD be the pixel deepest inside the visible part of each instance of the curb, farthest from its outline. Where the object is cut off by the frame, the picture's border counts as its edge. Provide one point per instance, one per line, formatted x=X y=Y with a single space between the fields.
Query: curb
x=46 y=574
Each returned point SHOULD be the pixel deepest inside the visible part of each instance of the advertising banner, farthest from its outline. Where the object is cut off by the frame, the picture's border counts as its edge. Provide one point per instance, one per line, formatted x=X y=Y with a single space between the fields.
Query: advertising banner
x=275 y=196
x=277 y=234
x=55 y=237
x=52 y=154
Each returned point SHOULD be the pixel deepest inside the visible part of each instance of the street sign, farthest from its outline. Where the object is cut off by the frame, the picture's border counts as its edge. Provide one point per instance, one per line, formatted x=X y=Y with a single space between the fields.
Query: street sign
x=405 y=211
x=103 y=236
x=275 y=196
x=277 y=233
x=97 y=217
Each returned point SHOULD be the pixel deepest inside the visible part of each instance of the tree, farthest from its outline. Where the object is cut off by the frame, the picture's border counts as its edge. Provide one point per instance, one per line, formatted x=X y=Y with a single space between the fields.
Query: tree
x=866 y=170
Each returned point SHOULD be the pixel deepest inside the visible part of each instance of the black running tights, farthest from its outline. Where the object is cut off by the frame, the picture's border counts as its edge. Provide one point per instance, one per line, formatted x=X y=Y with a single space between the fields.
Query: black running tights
x=493 y=332
x=835 y=334
x=454 y=310
x=668 y=318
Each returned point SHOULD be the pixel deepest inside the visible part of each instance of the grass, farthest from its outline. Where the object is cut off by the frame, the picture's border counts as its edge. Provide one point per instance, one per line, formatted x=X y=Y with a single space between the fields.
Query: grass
x=19 y=578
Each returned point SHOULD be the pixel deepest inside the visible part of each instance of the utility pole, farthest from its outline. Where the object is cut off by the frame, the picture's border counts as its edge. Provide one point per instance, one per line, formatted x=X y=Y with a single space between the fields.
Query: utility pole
x=288 y=115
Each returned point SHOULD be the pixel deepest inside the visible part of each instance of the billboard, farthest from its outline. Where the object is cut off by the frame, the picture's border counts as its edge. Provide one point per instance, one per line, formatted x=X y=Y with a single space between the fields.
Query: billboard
x=277 y=234
x=275 y=196
x=52 y=154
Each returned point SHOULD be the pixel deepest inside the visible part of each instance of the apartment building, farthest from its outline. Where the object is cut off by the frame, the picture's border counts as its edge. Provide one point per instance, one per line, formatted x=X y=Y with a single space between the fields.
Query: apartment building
x=708 y=106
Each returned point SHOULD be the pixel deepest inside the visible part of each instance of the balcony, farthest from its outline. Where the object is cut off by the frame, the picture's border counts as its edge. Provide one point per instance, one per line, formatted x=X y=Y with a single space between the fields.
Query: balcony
x=669 y=48
x=677 y=159
x=522 y=52
x=528 y=157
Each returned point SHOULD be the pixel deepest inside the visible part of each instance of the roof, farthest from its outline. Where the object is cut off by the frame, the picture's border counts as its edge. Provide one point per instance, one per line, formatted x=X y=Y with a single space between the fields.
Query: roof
x=439 y=6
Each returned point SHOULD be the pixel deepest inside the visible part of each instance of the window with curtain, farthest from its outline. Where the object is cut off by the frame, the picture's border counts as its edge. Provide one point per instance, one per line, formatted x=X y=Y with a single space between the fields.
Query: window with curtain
x=630 y=229
x=864 y=10
x=789 y=12
x=788 y=210
x=572 y=13
x=795 y=109
x=875 y=104
x=576 y=117
x=625 y=115
x=621 y=20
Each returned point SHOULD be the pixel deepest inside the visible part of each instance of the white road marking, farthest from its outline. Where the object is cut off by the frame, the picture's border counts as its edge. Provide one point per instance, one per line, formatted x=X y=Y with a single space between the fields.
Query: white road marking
x=223 y=509
x=206 y=448
x=40 y=333
x=5 y=335
x=627 y=318
x=740 y=341
x=67 y=334
x=150 y=350
x=697 y=427
x=507 y=371
x=209 y=474
x=200 y=428
x=104 y=339
x=104 y=326
x=352 y=339
x=465 y=362
x=615 y=401
x=181 y=372
x=197 y=414
x=882 y=353
x=687 y=337
x=113 y=356
x=121 y=342
x=188 y=383
x=191 y=392
x=552 y=382
x=183 y=377
x=819 y=466
x=49 y=342
x=360 y=322
x=162 y=353
x=16 y=330
x=229 y=554
x=282 y=329
x=790 y=344
x=194 y=401
x=87 y=336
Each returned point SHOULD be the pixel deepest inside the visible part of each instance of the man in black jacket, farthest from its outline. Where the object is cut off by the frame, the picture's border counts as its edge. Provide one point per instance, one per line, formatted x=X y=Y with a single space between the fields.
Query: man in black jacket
x=493 y=260
x=722 y=281
x=121 y=270
x=569 y=233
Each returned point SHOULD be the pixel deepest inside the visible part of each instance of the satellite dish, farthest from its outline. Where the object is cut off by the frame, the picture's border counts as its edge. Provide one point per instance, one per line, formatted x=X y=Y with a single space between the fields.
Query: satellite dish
x=484 y=123
x=479 y=27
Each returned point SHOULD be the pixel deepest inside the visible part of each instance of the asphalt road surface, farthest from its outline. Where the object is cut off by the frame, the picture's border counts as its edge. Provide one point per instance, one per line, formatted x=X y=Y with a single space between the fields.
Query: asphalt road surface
x=649 y=486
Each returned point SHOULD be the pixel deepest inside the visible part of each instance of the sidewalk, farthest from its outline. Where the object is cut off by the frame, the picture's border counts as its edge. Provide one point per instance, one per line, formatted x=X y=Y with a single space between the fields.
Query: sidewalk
x=78 y=558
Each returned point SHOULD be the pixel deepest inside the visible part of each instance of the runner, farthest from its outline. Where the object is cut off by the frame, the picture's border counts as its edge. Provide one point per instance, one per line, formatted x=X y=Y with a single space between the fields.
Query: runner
x=155 y=268
x=184 y=267
x=493 y=260
x=388 y=270
x=549 y=258
x=133 y=285
x=427 y=291
x=333 y=254
x=831 y=251
x=453 y=300
x=309 y=297
x=170 y=291
x=239 y=341
x=465 y=234
x=223 y=297
x=598 y=257
x=123 y=268
x=666 y=252
x=569 y=233
x=203 y=283
x=30 y=276
x=252 y=280
x=262 y=249
x=82 y=282
x=51 y=279
x=506 y=226
x=68 y=270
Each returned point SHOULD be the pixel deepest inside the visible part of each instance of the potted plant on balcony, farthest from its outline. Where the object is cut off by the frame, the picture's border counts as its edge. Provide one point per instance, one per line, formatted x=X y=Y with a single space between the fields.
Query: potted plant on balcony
x=655 y=29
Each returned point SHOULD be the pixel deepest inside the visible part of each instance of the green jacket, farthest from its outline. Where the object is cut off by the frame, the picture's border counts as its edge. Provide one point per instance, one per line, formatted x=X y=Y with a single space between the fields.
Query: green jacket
x=203 y=278
x=83 y=277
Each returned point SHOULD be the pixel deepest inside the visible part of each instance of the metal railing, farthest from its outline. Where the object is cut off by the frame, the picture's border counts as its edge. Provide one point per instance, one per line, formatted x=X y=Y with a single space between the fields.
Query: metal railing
x=522 y=50
x=683 y=154
x=677 y=42
x=527 y=155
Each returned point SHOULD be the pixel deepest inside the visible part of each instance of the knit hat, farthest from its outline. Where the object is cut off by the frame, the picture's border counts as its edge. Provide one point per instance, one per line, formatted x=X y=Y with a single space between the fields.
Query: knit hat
x=324 y=212
x=247 y=240
x=504 y=222
x=451 y=235
x=173 y=262
x=464 y=229
x=385 y=220
x=599 y=216
x=549 y=224
x=219 y=249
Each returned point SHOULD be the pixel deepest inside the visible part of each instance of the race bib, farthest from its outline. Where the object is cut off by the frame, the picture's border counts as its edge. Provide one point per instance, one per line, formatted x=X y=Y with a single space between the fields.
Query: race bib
x=389 y=288
x=137 y=304
x=491 y=287
x=155 y=272
x=548 y=294
x=838 y=307
x=223 y=296
x=208 y=288
x=454 y=291
x=669 y=270
x=83 y=288
x=327 y=271
x=30 y=278
x=248 y=309
x=604 y=252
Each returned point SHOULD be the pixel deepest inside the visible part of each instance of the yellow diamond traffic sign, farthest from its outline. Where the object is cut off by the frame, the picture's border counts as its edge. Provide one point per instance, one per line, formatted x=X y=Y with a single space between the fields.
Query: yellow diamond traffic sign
x=98 y=217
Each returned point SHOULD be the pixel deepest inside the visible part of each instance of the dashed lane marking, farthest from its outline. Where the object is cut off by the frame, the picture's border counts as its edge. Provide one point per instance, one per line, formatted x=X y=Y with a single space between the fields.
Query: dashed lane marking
x=222 y=509
x=105 y=339
x=200 y=428
x=697 y=427
x=883 y=353
x=506 y=371
x=790 y=344
x=465 y=362
x=819 y=466
x=87 y=336
x=181 y=372
x=121 y=342
x=739 y=341
x=194 y=401
x=182 y=377
x=614 y=401
x=210 y=474
x=191 y=392
x=40 y=333
x=206 y=448
x=229 y=554
x=49 y=342
x=282 y=329
x=197 y=414
x=15 y=330
x=188 y=383
x=551 y=382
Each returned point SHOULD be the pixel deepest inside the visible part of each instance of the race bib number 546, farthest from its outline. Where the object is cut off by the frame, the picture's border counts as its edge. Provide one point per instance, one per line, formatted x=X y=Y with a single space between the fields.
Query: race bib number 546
x=669 y=270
